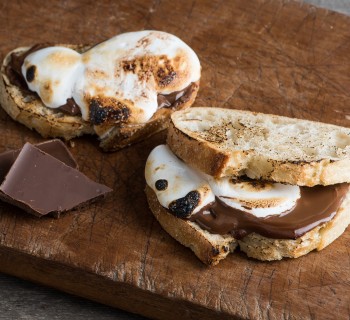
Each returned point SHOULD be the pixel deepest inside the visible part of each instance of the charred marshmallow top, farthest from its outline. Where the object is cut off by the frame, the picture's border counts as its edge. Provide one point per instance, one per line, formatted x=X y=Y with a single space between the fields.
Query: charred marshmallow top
x=176 y=185
x=52 y=73
x=179 y=188
x=126 y=72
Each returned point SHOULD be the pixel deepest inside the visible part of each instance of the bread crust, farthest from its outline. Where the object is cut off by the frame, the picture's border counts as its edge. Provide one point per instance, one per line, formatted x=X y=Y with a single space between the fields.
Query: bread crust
x=204 y=244
x=30 y=111
x=215 y=160
x=210 y=249
x=266 y=249
x=198 y=153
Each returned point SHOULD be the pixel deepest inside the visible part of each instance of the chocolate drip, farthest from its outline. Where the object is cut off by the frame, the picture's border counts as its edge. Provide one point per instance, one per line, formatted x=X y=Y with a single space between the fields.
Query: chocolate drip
x=71 y=108
x=316 y=205
x=174 y=99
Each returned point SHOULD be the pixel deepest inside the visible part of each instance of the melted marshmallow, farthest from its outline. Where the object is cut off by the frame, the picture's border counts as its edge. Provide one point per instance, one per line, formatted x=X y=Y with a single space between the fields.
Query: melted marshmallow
x=258 y=198
x=162 y=164
x=261 y=199
x=56 y=70
x=128 y=70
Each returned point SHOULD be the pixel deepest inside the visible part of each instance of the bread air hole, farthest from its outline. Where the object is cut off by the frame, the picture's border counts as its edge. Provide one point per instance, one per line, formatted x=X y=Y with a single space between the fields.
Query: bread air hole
x=342 y=140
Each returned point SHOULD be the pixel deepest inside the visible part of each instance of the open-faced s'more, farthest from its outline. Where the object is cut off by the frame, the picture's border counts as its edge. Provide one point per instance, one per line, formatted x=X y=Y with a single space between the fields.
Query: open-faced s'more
x=123 y=89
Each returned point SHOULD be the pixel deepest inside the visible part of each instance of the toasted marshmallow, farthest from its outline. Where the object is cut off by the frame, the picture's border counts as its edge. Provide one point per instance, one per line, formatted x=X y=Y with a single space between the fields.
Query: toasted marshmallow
x=261 y=199
x=52 y=73
x=177 y=186
x=131 y=69
x=172 y=179
x=116 y=81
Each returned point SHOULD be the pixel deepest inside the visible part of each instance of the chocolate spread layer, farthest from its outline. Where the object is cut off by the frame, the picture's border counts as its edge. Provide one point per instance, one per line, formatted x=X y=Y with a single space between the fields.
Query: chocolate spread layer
x=14 y=73
x=316 y=205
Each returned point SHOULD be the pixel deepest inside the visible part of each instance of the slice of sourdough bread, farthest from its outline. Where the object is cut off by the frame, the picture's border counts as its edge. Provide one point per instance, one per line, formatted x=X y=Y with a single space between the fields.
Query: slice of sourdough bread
x=225 y=142
x=28 y=109
x=211 y=248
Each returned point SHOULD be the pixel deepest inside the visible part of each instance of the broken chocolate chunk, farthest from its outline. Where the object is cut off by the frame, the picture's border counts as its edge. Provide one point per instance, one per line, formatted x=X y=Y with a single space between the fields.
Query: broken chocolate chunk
x=41 y=184
x=183 y=207
x=55 y=148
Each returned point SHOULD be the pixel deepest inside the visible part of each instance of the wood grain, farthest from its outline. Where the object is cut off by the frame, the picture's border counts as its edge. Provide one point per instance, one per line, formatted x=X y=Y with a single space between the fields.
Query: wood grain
x=276 y=56
x=21 y=299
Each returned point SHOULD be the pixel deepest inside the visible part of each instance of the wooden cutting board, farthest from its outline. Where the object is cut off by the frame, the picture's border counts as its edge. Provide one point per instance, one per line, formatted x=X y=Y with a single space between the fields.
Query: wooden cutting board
x=273 y=56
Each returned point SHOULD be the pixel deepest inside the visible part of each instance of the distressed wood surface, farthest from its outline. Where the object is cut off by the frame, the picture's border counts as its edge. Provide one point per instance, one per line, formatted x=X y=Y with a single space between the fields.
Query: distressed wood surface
x=273 y=56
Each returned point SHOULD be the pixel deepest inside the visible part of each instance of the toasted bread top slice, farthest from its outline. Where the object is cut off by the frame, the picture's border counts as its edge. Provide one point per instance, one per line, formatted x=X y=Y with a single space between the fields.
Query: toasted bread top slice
x=224 y=142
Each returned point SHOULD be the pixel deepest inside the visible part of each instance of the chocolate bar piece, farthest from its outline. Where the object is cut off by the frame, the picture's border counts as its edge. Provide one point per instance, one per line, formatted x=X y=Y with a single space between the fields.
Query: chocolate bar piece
x=41 y=184
x=55 y=147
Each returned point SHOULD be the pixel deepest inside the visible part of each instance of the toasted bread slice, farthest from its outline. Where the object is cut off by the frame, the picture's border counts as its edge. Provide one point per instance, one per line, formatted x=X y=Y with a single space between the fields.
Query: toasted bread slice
x=211 y=248
x=227 y=142
x=28 y=109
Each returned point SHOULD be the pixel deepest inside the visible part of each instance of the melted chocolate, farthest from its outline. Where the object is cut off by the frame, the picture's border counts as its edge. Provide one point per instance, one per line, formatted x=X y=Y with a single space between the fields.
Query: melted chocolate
x=71 y=108
x=176 y=98
x=316 y=205
x=13 y=69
